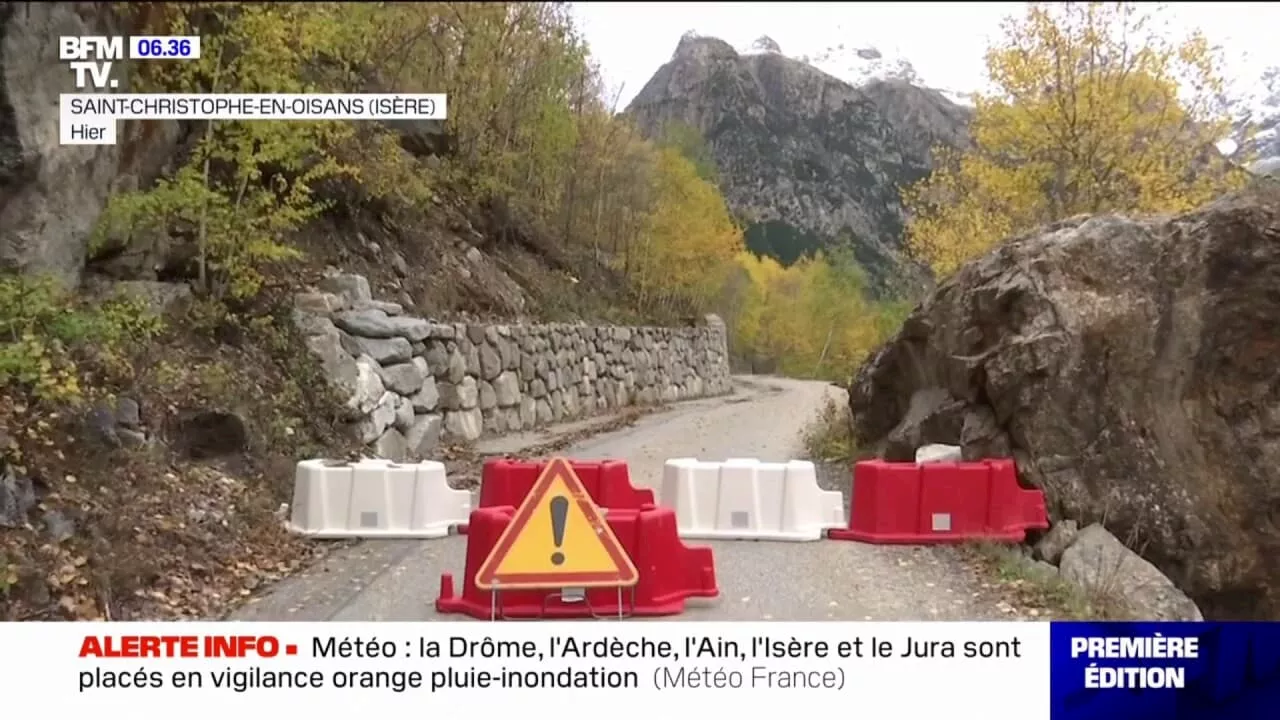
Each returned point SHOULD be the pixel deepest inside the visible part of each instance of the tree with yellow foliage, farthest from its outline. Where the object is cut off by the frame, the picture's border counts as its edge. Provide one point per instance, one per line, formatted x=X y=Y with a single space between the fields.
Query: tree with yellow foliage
x=1093 y=111
x=808 y=319
x=688 y=241
x=246 y=185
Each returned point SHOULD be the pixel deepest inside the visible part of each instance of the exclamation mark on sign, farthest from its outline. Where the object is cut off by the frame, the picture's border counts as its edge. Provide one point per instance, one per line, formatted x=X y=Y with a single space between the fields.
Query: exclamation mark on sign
x=559 y=515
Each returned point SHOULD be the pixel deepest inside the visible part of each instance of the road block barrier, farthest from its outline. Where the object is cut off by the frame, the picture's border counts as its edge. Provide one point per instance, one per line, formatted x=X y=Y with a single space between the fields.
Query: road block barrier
x=741 y=499
x=670 y=573
x=910 y=504
x=375 y=498
x=608 y=482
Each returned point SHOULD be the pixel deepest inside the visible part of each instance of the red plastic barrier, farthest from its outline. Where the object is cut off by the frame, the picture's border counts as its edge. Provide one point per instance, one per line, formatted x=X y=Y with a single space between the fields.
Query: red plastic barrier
x=910 y=504
x=608 y=482
x=670 y=572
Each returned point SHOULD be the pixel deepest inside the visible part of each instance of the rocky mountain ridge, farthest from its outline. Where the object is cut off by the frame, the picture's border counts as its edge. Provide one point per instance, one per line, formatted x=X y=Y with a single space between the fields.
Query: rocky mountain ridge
x=806 y=159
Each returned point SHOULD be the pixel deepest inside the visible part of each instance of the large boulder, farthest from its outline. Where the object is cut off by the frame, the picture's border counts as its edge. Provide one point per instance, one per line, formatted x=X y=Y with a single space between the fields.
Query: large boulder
x=1108 y=572
x=1131 y=369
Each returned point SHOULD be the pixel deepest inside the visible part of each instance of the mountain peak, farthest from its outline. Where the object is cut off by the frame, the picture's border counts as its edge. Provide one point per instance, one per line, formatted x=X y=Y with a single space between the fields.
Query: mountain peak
x=766 y=44
x=698 y=47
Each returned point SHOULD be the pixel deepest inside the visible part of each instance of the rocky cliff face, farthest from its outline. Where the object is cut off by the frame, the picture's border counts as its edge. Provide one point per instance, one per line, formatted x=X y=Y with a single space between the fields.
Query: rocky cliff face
x=803 y=156
x=51 y=195
x=1132 y=367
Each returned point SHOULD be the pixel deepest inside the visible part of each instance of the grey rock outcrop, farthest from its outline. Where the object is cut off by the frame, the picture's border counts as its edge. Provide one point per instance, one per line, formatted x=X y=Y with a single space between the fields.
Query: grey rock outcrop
x=1103 y=567
x=1132 y=369
x=802 y=156
x=17 y=497
x=51 y=195
x=411 y=383
x=1056 y=541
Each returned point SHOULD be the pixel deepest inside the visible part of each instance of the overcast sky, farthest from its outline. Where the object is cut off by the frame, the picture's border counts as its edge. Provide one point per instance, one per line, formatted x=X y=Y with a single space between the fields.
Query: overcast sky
x=944 y=41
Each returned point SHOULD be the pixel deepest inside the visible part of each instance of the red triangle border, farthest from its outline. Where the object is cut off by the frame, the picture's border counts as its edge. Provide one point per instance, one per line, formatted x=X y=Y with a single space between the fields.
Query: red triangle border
x=487 y=577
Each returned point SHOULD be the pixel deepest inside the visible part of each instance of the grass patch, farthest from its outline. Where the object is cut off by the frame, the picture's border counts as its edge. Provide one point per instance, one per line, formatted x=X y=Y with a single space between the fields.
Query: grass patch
x=829 y=436
x=1036 y=586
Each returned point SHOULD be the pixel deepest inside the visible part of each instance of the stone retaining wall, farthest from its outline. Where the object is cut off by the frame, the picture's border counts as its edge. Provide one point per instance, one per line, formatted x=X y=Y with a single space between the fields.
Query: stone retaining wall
x=409 y=382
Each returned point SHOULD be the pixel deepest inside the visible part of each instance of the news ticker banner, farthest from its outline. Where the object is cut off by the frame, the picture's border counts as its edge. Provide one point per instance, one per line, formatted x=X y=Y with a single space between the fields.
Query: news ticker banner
x=531 y=670
x=91 y=117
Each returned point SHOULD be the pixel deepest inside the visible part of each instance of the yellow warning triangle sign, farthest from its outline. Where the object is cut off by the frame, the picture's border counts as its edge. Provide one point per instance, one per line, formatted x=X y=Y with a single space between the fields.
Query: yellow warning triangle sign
x=558 y=538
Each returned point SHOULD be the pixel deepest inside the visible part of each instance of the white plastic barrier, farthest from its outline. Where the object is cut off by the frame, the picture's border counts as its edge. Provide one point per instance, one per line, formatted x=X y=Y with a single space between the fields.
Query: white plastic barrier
x=742 y=499
x=375 y=499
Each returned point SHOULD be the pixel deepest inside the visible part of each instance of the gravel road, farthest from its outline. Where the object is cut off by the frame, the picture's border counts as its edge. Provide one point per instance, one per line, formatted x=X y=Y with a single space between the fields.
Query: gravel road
x=826 y=580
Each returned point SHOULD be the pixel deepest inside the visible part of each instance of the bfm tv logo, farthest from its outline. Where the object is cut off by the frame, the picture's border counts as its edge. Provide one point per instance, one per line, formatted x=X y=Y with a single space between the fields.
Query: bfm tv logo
x=81 y=49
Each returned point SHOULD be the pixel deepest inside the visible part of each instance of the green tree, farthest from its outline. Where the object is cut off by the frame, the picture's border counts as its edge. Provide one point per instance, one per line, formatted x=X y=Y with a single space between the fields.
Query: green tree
x=690 y=143
x=247 y=185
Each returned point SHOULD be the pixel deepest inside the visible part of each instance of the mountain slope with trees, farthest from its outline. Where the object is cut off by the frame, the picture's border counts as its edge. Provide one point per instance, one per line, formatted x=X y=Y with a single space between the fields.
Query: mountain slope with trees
x=807 y=161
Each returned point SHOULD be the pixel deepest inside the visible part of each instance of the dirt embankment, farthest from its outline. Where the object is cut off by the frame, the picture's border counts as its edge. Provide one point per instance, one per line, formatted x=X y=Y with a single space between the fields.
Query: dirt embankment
x=158 y=496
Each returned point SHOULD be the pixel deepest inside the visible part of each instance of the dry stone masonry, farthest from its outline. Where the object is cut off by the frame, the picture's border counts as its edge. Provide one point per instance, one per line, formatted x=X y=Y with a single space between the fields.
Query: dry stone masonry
x=411 y=382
